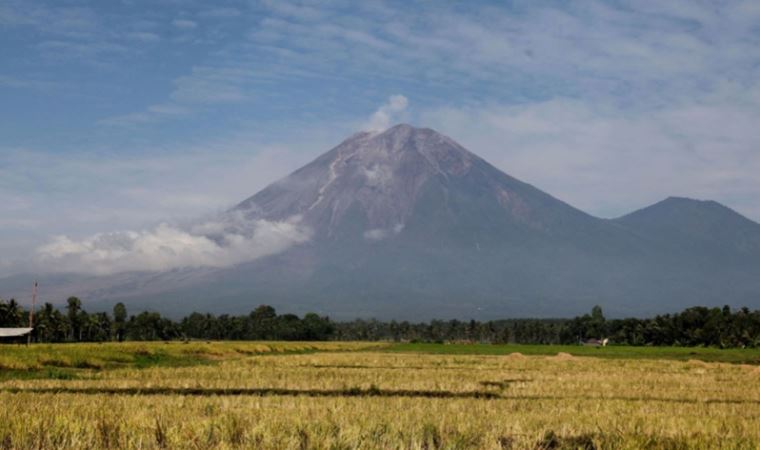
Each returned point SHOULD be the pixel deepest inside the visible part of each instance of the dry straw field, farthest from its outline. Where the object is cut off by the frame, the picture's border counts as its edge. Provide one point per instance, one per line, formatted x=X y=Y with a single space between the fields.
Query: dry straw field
x=365 y=396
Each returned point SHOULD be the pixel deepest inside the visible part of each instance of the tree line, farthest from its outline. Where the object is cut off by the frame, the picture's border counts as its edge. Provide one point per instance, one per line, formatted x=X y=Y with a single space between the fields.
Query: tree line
x=74 y=324
x=696 y=326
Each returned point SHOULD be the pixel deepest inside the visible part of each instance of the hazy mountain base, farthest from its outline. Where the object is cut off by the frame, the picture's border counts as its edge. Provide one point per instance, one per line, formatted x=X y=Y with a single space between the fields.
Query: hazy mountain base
x=419 y=274
x=480 y=284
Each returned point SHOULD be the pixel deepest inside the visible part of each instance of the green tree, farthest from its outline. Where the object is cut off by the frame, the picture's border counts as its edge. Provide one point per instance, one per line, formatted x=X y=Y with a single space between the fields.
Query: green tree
x=317 y=328
x=11 y=314
x=596 y=324
x=263 y=322
x=73 y=310
x=119 y=321
x=51 y=325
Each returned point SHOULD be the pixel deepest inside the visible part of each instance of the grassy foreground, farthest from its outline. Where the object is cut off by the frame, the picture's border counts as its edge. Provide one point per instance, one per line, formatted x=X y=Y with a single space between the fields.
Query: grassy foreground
x=364 y=395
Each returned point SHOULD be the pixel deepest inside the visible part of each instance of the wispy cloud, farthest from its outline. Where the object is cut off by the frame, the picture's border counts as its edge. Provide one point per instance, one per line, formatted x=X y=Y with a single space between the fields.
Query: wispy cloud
x=184 y=24
x=143 y=36
x=591 y=49
x=68 y=21
x=88 y=51
x=153 y=113
x=296 y=10
x=610 y=161
x=223 y=13
x=64 y=31
x=639 y=54
x=211 y=85
x=204 y=86
x=39 y=186
x=27 y=83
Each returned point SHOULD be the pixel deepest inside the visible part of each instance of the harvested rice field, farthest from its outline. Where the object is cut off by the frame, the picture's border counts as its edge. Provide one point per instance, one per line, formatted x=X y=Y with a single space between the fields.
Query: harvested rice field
x=370 y=396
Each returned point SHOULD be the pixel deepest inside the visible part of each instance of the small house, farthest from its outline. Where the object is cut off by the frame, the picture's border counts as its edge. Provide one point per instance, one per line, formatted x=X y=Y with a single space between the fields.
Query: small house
x=13 y=334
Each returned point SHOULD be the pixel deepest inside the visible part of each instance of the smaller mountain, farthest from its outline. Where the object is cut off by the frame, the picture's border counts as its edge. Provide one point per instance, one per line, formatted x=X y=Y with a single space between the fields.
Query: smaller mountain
x=702 y=228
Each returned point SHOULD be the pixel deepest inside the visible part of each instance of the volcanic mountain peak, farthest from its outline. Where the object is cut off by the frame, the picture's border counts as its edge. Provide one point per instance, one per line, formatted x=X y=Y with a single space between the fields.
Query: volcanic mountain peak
x=375 y=176
x=405 y=144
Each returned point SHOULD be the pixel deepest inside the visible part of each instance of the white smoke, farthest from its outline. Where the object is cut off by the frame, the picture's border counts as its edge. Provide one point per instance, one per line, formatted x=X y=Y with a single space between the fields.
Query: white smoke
x=383 y=117
x=222 y=243
x=378 y=234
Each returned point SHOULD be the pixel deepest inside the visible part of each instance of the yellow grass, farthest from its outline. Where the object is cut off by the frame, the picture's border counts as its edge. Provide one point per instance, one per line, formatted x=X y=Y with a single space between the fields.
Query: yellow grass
x=354 y=396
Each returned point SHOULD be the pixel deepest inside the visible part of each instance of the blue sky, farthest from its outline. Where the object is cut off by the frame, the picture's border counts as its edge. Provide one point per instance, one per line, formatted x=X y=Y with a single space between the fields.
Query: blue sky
x=119 y=115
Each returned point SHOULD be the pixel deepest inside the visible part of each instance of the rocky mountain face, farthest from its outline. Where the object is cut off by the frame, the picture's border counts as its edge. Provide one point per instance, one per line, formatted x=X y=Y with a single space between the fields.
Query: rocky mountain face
x=384 y=179
x=408 y=224
x=416 y=182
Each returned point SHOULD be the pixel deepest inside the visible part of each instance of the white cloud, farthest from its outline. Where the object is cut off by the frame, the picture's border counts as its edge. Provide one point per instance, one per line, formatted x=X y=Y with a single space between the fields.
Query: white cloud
x=184 y=24
x=226 y=242
x=608 y=160
x=26 y=83
x=68 y=21
x=86 y=50
x=634 y=50
x=206 y=85
x=221 y=13
x=82 y=194
x=203 y=87
x=294 y=10
x=151 y=114
x=144 y=36
x=387 y=113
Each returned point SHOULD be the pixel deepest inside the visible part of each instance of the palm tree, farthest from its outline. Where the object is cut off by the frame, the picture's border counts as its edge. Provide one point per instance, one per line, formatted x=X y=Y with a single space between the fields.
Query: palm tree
x=11 y=314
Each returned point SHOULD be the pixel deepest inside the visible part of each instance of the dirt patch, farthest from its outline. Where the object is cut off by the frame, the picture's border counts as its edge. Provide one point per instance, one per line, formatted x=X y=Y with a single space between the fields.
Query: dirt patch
x=562 y=356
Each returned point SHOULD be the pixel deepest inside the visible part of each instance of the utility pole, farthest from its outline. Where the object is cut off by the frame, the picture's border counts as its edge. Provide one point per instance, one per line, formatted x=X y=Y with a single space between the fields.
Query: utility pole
x=31 y=312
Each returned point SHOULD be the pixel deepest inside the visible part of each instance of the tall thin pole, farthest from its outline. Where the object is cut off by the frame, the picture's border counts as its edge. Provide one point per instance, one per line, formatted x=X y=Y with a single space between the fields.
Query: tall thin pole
x=31 y=312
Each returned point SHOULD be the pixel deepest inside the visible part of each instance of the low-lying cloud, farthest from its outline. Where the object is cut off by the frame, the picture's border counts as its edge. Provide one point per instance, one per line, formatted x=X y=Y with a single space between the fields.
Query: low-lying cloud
x=220 y=243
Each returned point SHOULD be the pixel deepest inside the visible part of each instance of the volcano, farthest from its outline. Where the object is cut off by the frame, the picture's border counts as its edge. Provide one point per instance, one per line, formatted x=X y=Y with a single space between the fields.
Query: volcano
x=408 y=224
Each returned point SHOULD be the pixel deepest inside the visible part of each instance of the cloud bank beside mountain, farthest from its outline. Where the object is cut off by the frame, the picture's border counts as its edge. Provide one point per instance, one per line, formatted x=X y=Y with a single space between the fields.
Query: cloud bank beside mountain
x=220 y=243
